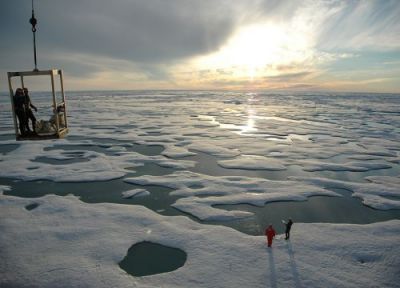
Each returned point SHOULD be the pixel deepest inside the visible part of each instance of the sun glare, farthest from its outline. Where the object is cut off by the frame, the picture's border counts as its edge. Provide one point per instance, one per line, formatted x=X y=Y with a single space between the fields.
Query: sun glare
x=255 y=46
x=254 y=49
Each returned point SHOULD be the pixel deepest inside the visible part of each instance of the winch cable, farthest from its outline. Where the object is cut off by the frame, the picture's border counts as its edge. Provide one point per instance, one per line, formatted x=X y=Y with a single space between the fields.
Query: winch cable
x=33 y=22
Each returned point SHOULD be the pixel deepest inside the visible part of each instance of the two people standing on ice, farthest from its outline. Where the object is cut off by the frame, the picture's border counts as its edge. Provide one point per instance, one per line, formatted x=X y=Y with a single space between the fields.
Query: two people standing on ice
x=270 y=231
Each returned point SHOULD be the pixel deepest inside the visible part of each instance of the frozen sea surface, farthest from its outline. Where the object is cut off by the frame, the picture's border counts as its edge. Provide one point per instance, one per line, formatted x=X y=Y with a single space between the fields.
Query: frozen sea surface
x=241 y=160
x=236 y=159
x=64 y=242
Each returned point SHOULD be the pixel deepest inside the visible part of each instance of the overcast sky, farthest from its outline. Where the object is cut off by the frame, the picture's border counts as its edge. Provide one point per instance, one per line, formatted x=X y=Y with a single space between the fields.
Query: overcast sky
x=207 y=44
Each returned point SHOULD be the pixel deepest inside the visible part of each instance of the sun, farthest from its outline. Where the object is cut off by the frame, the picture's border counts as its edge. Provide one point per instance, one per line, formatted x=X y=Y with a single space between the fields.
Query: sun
x=254 y=50
x=254 y=46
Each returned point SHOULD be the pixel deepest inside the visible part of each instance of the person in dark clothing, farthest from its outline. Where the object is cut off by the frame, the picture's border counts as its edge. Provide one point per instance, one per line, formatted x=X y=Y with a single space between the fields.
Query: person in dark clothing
x=19 y=108
x=288 y=227
x=28 y=111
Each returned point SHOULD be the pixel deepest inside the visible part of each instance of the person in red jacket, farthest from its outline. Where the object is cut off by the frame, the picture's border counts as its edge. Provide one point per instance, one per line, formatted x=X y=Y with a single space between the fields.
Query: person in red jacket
x=270 y=233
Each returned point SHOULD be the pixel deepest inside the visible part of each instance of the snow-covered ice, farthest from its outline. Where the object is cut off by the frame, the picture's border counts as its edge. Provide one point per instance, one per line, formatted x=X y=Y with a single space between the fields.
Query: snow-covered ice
x=209 y=149
x=375 y=193
x=227 y=190
x=135 y=193
x=253 y=162
x=348 y=166
x=67 y=243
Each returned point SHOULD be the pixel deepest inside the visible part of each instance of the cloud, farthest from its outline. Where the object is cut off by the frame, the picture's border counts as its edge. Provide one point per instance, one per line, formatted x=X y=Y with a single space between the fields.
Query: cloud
x=156 y=42
x=288 y=76
x=356 y=25
x=140 y=31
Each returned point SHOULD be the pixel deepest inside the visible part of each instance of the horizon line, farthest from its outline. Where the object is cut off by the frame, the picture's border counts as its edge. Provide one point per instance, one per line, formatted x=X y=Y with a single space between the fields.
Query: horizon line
x=222 y=90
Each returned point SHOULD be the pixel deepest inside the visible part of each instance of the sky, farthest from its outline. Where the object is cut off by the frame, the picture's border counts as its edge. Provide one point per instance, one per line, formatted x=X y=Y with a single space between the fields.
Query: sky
x=206 y=44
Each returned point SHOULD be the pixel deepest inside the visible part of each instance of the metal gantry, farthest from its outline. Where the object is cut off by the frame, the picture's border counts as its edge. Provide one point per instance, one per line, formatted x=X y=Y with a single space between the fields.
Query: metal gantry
x=61 y=124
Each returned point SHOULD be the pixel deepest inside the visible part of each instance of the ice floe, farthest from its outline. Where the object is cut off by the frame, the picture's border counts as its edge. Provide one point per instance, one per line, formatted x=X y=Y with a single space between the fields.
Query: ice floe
x=4 y=188
x=67 y=243
x=376 y=194
x=135 y=193
x=213 y=148
x=176 y=152
x=253 y=162
x=227 y=190
x=348 y=166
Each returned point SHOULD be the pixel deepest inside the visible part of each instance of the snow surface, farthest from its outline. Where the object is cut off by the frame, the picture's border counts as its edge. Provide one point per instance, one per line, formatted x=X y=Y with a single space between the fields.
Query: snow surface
x=67 y=243
x=253 y=162
x=135 y=193
x=293 y=146
x=176 y=152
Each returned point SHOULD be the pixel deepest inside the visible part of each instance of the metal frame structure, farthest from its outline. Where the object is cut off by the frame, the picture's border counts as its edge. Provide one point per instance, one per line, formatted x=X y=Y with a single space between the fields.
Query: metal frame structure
x=60 y=131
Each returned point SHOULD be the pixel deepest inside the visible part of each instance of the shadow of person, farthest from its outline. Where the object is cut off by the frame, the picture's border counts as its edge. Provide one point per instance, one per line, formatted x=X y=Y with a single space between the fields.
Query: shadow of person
x=272 y=270
x=293 y=265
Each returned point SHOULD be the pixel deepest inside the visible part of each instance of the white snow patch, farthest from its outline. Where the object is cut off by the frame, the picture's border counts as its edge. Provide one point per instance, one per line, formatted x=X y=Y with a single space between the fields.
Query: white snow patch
x=173 y=151
x=253 y=162
x=135 y=193
x=4 y=188
x=389 y=180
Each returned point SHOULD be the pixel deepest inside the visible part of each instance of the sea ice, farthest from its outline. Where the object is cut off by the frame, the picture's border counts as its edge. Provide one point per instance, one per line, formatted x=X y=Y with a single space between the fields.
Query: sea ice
x=4 y=188
x=212 y=148
x=349 y=166
x=135 y=193
x=172 y=151
x=63 y=242
x=90 y=165
x=67 y=243
x=230 y=190
x=253 y=162
x=374 y=194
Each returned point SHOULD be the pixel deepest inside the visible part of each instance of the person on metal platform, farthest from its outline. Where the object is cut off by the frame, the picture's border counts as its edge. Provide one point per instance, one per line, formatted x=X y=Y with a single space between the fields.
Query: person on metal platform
x=29 y=113
x=19 y=108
